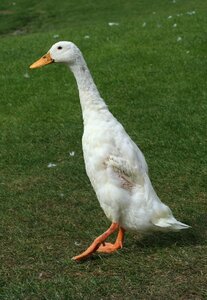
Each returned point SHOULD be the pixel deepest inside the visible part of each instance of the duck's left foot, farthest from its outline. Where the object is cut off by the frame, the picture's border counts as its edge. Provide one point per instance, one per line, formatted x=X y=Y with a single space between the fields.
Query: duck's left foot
x=96 y=243
x=94 y=246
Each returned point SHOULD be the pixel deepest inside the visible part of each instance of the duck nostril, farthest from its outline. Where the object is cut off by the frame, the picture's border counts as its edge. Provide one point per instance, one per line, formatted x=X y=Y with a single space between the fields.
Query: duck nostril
x=44 y=56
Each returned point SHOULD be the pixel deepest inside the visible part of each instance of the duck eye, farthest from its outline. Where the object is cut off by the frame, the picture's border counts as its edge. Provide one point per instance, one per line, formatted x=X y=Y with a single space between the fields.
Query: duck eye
x=59 y=47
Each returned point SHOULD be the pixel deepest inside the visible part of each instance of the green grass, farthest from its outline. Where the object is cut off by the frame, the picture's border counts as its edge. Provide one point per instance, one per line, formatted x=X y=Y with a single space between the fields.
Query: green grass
x=156 y=86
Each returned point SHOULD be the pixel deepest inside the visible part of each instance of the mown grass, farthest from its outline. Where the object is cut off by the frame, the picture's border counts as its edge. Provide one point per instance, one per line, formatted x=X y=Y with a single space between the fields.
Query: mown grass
x=155 y=84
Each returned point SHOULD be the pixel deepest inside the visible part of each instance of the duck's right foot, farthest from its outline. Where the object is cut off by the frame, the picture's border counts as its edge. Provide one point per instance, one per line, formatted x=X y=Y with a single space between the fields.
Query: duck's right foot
x=109 y=247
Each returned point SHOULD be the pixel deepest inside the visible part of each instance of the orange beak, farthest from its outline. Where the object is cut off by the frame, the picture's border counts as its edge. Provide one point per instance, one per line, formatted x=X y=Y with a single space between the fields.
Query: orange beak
x=43 y=61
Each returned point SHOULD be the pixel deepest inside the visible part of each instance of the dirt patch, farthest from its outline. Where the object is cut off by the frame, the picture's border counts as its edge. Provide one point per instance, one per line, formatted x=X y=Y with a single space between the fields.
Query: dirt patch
x=6 y=12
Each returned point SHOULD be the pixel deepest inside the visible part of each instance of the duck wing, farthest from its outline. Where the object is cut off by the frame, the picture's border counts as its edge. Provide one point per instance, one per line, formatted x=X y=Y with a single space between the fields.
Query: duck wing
x=129 y=174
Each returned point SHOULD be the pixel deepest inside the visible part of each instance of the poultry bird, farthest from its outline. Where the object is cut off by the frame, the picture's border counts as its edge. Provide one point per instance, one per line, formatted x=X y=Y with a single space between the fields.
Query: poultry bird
x=114 y=164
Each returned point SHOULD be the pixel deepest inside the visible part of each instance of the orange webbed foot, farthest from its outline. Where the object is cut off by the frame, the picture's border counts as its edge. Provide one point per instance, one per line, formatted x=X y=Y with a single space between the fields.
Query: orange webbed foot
x=96 y=243
x=109 y=247
x=94 y=246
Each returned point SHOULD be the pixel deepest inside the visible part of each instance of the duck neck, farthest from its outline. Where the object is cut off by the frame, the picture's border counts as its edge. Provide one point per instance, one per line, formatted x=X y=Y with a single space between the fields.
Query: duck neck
x=90 y=98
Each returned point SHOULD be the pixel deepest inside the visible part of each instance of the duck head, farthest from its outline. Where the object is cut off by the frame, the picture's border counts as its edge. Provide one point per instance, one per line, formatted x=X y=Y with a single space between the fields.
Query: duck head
x=61 y=52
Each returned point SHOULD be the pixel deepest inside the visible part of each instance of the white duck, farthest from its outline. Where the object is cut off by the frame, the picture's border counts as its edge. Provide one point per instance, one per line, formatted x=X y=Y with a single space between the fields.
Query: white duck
x=114 y=164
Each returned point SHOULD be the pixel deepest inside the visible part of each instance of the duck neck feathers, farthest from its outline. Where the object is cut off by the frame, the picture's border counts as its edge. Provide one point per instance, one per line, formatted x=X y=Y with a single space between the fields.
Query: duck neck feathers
x=90 y=98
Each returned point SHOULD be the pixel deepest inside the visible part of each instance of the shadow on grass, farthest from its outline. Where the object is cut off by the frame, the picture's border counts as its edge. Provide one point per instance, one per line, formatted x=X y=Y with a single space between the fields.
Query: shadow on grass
x=196 y=235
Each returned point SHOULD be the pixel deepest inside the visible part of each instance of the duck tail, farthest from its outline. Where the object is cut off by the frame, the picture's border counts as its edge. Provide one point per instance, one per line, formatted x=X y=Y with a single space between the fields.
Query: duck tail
x=170 y=224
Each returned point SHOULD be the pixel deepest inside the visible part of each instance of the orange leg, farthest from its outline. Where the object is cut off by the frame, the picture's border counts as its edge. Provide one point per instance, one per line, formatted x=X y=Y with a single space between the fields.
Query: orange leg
x=97 y=242
x=109 y=248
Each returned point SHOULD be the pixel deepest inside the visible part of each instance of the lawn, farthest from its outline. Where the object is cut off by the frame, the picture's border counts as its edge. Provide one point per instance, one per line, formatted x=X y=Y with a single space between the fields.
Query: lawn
x=151 y=68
